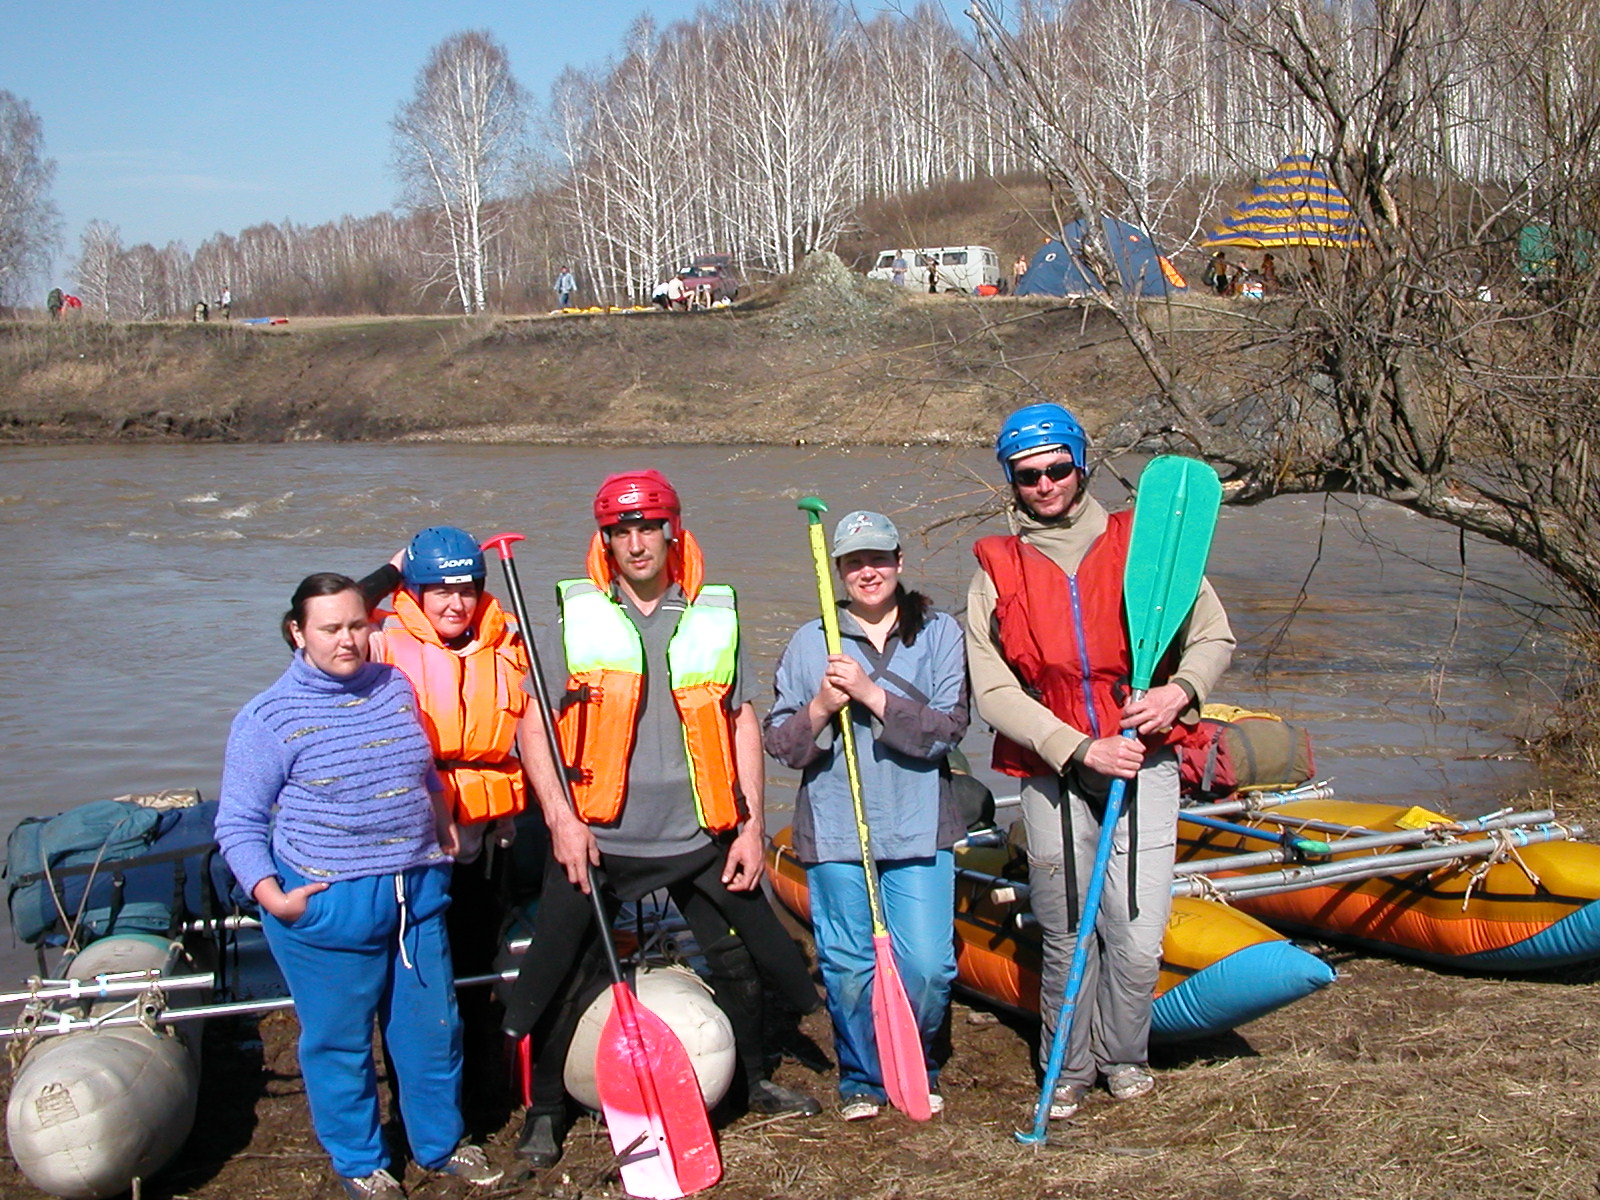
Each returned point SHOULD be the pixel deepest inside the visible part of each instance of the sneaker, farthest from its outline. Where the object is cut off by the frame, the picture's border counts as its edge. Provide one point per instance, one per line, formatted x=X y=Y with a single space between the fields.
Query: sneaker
x=380 y=1185
x=540 y=1142
x=1129 y=1081
x=935 y=1103
x=774 y=1100
x=1066 y=1100
x=858 y=1108
x=469 y=1162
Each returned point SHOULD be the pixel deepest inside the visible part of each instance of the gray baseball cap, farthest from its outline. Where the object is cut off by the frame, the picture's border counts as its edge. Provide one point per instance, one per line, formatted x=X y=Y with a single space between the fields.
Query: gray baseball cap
x=863 y=530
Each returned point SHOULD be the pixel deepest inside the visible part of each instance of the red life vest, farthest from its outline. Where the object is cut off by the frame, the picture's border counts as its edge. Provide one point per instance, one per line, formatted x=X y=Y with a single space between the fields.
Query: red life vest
x=1065 y=636
x=469 y=704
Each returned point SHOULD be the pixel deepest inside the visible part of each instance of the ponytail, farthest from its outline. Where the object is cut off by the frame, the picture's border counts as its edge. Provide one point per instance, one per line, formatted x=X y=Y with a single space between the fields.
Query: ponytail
x=914 y=607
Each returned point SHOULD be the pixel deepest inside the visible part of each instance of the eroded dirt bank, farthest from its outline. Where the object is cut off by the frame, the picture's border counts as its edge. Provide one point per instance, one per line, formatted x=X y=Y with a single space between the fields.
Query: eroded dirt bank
x=826 y=360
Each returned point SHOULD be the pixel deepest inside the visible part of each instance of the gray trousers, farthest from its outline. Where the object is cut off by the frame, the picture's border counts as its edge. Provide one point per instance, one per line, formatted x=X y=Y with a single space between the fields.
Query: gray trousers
x=1112 y=1023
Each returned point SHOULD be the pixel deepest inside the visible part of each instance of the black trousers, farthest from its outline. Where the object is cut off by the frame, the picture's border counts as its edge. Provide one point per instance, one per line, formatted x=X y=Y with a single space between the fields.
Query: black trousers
x=741 y=937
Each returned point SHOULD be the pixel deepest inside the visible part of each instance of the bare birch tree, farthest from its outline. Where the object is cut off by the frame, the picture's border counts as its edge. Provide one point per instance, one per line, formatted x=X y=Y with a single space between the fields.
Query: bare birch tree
x=29 y=224
x=99 y=256
x=457 y=145
x=1413 y=366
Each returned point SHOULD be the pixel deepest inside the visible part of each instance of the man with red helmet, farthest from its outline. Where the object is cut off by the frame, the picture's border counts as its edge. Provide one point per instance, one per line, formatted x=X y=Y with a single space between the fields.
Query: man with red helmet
x=663 y=752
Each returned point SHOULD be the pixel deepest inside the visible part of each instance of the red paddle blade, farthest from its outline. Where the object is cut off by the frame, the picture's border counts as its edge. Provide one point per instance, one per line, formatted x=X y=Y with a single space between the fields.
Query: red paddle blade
x=905 y=1071
x=654 y=1112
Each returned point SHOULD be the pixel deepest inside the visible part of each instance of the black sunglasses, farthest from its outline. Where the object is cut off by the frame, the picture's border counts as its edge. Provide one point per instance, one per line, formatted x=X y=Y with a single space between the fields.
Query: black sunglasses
x=1030 y=476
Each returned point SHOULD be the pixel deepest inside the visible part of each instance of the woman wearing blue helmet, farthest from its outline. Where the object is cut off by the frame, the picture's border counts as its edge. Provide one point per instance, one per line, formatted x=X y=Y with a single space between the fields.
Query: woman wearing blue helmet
x=466 y=660
x=1049 y=655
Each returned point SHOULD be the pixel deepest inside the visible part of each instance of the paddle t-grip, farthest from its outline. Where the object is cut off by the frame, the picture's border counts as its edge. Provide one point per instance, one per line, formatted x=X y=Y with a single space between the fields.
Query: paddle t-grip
x=813 y=508
x=501 y=543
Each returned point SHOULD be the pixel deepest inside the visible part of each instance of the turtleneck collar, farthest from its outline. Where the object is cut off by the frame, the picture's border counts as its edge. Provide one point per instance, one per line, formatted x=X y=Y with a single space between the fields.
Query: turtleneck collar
x=318 y=680
x=1023 y=522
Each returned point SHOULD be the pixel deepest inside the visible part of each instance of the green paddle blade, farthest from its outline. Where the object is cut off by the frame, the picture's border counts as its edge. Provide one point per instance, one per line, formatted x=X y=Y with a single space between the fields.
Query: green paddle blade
x=1174 y=516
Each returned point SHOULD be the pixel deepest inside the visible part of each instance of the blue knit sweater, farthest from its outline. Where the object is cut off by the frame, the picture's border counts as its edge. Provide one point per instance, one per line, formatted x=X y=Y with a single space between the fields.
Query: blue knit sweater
x=330 y=775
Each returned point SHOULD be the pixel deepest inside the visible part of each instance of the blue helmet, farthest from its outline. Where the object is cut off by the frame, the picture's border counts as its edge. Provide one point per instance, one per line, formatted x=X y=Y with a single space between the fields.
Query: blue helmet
x=443 y=554
x=1041 y=427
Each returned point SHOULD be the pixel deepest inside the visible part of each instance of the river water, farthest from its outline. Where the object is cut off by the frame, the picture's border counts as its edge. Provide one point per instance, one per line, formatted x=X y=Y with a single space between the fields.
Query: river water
x=143 y=587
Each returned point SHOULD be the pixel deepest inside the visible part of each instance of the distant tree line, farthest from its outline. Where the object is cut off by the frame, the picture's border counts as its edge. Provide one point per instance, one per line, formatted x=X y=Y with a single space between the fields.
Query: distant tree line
x=759 y=127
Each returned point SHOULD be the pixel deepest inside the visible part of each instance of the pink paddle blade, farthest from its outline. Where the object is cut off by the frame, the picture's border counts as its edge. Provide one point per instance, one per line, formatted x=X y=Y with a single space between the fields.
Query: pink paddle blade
x=654 y=1112
x=905 y=1071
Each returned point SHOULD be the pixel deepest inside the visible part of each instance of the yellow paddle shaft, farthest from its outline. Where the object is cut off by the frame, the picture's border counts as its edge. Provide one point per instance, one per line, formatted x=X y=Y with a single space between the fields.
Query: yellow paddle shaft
x=847 y=734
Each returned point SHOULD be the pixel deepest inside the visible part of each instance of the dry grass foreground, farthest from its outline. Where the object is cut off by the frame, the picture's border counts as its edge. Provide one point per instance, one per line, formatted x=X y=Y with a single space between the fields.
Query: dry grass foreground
x=825 y=358
x=1397 y=1081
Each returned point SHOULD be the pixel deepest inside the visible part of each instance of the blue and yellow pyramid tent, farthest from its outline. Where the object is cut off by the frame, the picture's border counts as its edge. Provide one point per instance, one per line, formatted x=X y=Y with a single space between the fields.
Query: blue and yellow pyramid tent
x=1294 y=205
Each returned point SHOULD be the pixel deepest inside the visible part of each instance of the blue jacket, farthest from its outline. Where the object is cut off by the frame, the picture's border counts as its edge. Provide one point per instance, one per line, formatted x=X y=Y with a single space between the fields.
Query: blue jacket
x=900 y=756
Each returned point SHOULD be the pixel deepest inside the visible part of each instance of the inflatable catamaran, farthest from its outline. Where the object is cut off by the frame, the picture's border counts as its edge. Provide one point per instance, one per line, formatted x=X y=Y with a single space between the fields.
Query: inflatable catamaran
x=134 y=896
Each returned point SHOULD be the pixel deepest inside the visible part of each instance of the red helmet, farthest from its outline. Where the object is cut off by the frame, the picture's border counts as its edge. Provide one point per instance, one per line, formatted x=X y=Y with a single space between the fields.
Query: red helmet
x=636 y=495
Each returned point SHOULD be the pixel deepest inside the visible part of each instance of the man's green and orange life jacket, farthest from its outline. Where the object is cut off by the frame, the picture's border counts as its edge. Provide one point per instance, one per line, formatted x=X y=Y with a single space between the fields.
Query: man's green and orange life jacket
x=605 y=665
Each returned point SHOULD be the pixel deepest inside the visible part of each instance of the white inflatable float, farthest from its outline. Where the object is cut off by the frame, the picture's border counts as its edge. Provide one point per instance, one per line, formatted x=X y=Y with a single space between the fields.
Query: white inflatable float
x=93 y=1110
x=679 y=998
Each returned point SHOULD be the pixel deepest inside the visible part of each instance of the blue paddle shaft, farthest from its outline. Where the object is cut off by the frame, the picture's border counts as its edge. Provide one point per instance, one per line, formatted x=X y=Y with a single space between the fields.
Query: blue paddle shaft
x=1080 y=955
x=1174 y=517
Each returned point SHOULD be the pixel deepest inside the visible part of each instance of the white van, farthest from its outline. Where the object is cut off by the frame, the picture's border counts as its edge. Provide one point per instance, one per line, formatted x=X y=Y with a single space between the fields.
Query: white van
x=961 y=268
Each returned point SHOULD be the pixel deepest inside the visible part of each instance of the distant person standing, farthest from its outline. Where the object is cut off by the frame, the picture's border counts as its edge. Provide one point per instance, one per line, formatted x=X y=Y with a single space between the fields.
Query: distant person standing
x=933 y=275
x=53 y=302
x=225 y=302
x=1018 y=270
x=566 y=284
x=1269 y=273
x=901 y=266
x=1217 y=273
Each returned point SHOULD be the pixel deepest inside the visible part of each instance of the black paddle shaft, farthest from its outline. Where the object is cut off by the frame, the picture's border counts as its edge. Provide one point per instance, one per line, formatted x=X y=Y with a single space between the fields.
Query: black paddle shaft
x=536 y=670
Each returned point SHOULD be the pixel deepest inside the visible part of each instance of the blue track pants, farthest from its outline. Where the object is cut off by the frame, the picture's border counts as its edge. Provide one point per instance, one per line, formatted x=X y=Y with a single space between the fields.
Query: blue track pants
x=375 y=948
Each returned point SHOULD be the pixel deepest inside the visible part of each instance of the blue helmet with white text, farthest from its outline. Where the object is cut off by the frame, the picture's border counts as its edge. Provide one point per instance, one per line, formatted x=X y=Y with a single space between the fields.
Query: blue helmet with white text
x=443 y=554
x=1041 y=427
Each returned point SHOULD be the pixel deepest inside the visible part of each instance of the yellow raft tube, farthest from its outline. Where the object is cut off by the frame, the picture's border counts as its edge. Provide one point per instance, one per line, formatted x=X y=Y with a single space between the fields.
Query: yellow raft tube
x=1219 y=967
x=1531 y=907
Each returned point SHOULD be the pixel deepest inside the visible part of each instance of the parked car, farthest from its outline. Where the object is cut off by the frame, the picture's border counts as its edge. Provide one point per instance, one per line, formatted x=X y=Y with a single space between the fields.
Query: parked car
x=713 y=271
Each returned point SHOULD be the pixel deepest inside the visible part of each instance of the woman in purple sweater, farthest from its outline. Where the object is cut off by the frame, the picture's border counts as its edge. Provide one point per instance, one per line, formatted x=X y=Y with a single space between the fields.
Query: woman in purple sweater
x=327 y=819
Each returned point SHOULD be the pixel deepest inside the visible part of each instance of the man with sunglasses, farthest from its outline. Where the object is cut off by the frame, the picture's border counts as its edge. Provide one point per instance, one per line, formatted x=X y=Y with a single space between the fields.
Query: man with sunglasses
x=1049 y=655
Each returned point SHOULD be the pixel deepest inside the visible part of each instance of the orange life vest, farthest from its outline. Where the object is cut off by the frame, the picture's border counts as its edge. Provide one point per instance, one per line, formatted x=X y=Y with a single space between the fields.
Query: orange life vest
x=469 y=702
x=605 y=660
x=1066 y=636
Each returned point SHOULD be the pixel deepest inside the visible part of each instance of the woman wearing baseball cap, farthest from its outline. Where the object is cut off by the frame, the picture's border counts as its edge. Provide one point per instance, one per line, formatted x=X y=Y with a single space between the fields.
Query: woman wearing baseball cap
x=902 y=679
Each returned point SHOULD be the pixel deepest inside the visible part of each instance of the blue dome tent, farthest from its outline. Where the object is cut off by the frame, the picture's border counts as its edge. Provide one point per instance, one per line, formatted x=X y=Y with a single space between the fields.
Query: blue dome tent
x=1059 y=269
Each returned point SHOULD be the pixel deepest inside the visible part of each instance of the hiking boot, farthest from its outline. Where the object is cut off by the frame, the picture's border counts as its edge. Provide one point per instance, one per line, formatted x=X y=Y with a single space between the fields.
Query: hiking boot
x=774 y=1100
x=1129 y=1081
x=380 y=1185
x=935 y=1103
x=469 y=1162
x=858 y=1108
x=1066 y=1100
x=539 y=1144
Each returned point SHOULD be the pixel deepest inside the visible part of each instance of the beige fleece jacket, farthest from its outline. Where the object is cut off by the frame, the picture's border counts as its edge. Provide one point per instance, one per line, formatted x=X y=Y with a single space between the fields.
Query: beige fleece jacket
x=1206 y=640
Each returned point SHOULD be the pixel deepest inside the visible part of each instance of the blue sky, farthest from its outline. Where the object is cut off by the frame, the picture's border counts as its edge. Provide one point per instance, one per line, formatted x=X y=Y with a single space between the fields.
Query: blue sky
x=176 y=120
